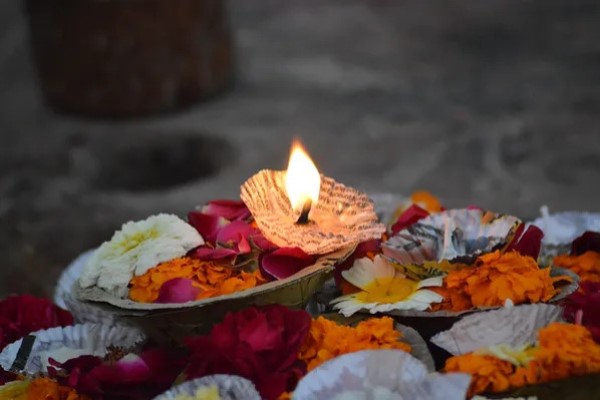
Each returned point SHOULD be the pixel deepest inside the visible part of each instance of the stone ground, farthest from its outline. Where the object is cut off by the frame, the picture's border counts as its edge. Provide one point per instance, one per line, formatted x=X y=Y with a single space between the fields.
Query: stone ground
x=494 y=103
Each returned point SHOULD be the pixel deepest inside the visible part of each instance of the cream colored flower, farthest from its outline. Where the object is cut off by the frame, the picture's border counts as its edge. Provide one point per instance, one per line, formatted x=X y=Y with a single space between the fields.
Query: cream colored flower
x=136 y=248
x=384 y=289
x=517 y=355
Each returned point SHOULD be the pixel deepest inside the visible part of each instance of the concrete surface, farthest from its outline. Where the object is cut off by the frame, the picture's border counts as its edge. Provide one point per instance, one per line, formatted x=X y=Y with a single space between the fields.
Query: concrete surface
x=493 y=103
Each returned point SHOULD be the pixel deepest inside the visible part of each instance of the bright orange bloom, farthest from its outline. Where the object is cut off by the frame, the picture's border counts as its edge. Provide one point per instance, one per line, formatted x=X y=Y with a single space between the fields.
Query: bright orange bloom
x=494 y=278
x=212 y=278
x=48 y=389
x=327 y=340
x=586 y=265
x=426 y=201
x=563 y=350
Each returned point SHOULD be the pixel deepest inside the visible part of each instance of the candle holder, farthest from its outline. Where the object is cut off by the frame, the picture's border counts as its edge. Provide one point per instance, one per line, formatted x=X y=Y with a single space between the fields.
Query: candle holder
x=342 y=217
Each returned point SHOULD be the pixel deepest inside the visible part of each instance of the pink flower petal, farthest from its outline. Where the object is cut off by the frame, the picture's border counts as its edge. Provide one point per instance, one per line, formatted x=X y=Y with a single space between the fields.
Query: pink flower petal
x=228 y=209
x=285 y=262
x=207 y=225
x=233 y=232
x=210 y=254
x=529 y=243
x=178 y=290
x=412 y=214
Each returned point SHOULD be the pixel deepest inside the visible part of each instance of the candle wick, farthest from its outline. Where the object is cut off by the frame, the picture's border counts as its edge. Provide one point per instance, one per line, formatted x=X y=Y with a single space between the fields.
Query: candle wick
x=303 y=219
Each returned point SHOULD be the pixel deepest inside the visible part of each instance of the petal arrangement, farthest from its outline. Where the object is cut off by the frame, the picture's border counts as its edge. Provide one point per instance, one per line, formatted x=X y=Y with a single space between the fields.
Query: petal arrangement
x=471 y=282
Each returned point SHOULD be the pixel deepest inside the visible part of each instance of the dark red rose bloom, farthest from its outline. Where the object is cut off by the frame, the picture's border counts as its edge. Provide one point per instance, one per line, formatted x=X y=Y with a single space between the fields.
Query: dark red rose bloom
x=589 y=241
x=583 y=308
x=21 y=315
x=528 y=243
x=134 y=377
x=284 y=262
x=411 y=215
x=260 y=344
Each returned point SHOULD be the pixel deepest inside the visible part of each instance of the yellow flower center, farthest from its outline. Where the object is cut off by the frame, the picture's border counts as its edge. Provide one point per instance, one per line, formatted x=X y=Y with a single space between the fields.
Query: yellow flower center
x=387 y=290
x=130 y=242
x=518 y=356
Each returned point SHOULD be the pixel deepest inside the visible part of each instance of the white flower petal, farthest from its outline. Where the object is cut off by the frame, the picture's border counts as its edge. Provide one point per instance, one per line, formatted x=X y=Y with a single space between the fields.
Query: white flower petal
x=426 y=296
x=435 y=281
x=137 y=247
x=365 y=271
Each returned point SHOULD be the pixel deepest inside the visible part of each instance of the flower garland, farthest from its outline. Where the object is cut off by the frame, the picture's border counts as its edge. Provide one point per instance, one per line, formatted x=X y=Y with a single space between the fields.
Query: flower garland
x=205 y=278
x=327 y=340
x=563 y=350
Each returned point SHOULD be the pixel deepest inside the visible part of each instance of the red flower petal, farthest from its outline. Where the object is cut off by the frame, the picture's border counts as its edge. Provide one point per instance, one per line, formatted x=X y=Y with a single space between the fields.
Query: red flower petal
x=207 y=225
x=528 y=244
x=285 y=262
x=6 y=376
x=589 y=241
x=412 y=214
x=584 y=306
x=177 y=290
x=228 y=209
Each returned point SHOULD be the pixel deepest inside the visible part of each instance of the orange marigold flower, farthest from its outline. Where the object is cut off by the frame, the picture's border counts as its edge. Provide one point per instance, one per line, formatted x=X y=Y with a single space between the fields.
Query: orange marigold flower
x=426 y=201
x=563 y=350
x=327 y=340
x=212 y=278
x=48 y=389
x=488 y=373
x=586 y=265
x=493 y=279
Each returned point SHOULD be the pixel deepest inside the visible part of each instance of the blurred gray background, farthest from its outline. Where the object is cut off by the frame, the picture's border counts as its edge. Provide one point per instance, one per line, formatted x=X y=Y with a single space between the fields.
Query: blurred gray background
x=494 y=103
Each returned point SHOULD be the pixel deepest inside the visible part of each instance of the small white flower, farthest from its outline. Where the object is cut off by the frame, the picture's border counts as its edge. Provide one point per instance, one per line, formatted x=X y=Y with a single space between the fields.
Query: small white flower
x=136 y=248
x=385 y=289
x=517 y=355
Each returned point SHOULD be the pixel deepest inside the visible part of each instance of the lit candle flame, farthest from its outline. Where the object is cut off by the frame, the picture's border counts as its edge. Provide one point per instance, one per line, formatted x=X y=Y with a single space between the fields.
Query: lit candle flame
x=302 y=179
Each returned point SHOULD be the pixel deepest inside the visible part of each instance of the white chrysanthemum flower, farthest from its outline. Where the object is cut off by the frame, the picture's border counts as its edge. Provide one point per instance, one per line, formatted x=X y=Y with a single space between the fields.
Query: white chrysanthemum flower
x=384 y=289
x=136 y=248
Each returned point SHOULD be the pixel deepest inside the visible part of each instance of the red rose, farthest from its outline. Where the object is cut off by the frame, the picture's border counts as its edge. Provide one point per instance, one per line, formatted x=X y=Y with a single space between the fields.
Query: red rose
x=133 y=377
x=260 y=344
x=21 y=315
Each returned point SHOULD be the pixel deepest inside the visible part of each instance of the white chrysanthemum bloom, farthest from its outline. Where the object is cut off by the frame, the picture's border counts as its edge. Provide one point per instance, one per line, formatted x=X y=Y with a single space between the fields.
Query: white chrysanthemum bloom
x=384 y=289
x=136 y=248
